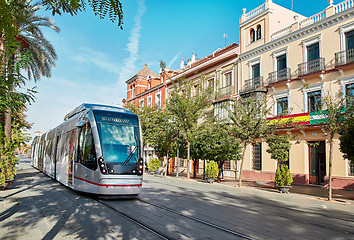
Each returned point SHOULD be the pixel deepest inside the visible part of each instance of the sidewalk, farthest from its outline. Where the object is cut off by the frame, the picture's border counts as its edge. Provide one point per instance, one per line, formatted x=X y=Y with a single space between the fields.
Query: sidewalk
x=319 y=192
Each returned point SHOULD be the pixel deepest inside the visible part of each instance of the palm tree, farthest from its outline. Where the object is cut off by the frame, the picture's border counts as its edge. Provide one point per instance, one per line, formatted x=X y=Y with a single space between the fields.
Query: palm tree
x=40 y=51
x=31 y=44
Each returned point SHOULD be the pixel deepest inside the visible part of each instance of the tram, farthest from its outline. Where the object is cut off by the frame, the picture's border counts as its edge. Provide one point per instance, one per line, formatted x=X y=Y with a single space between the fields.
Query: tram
x=97 y=149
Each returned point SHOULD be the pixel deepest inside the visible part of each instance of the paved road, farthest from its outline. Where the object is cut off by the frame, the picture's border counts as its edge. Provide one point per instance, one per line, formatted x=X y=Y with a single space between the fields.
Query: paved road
x=37 y=207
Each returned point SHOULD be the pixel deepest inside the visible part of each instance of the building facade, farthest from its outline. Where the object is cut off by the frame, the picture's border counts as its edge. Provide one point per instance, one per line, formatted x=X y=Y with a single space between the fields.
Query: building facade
x=297 y=61
x=220 y=72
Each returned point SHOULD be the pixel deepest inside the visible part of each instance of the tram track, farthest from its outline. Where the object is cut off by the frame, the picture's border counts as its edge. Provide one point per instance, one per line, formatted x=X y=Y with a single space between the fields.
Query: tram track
x=163 y=235
x=136 y=221
x=302 y=221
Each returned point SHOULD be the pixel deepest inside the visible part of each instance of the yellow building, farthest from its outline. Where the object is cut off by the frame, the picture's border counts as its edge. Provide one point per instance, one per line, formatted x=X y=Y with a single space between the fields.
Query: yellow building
x=297 y=60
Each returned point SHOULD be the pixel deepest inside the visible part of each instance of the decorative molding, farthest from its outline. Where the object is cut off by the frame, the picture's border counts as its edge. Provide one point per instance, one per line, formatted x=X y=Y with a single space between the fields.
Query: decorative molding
x=301 y=33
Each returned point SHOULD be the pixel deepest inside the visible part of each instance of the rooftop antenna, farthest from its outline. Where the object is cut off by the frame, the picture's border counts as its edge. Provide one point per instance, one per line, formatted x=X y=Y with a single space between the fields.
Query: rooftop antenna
x=225 y=36
x=292 y=4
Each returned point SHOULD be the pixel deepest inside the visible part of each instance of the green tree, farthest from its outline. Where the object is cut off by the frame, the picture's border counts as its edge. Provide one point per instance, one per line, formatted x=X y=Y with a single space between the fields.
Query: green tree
x=29 y=44
x=332 y=124
x=186 y=105
x=213 y=141
x=346 y=135
x=249 y=123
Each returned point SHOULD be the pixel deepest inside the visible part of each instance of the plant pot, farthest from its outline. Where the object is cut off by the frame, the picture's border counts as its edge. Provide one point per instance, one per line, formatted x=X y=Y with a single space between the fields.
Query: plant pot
x=284 y=189
x=6 y=184
x=210 y=179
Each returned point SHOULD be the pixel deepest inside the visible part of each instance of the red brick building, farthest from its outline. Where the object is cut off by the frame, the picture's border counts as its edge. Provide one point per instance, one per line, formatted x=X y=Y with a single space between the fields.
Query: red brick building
x=147 y=88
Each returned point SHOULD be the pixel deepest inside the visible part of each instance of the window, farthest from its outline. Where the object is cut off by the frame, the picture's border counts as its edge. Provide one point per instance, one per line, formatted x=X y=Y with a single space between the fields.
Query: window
x=227 y=165
x=252 y=35
x=349 y=93
x=259 y=33
x=314 y=101
x=281 y=62
x=211 y=84
x=149 y=101
x=313 y=52
x=349 y=40
x=196 y=90
x=228 y=79
x=282 y=106
x=351 y=169
x=221 y=110
x=141 y=103
x=256 y=71
x=181 y=162
x=158 y=100
x=257 y=156
x=87 y=153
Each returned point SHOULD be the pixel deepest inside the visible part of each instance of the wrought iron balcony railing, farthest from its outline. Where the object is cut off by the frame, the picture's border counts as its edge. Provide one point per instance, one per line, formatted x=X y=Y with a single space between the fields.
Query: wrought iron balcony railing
x=344 y=57
x=252 y=84
x=225 y=91
x=313 y=66
x=280 y=75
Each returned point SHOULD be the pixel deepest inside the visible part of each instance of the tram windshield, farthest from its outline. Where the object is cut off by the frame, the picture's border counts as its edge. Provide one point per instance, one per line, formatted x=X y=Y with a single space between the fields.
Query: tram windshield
x=119 y=135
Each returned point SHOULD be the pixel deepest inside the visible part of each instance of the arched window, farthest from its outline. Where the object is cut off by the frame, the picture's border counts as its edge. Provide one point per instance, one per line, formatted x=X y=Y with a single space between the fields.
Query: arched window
x=252 y=35
x=259 y=33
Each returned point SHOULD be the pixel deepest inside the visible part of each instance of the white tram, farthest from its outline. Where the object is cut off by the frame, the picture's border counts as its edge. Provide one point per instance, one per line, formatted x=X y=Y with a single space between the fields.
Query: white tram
x=97 y=149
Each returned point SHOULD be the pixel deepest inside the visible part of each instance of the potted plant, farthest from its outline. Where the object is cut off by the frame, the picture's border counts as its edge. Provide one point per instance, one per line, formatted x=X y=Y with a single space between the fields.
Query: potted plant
x=279 y=146
x=211 y=171
x=153 y=165
x=283 y=179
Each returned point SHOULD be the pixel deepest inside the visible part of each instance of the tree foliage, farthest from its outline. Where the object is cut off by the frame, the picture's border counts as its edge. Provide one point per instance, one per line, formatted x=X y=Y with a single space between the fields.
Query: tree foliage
x=112 y=9
x=278 y=147
x=249 y=123
x=347 y=133
x=186 y=105
x=213 y=140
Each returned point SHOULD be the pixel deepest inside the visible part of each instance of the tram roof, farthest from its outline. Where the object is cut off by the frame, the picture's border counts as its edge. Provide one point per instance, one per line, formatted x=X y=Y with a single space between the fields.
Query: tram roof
x=86 y=106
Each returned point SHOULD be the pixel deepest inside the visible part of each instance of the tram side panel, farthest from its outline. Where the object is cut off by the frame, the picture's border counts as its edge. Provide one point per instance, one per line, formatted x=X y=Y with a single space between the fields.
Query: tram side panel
x=62 y=160
x=86 y=167
x=47 y=158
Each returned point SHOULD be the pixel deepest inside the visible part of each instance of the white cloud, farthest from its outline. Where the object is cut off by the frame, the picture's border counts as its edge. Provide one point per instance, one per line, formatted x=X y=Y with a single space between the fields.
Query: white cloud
x=133 y=45
x=174 y=59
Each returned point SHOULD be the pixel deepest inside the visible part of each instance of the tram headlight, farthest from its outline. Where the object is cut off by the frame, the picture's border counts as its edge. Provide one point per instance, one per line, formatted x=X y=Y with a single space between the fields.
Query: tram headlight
x=102 y=165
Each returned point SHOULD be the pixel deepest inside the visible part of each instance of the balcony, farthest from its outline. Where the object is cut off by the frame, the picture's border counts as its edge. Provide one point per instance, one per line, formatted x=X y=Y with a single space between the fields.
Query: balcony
x=280 y=75
x=225 y=91
x=314 y=66
x=252 y=84
x=344 y=57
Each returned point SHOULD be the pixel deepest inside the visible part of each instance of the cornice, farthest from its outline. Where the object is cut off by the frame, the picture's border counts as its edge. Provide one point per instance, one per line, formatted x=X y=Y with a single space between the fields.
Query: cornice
x=147 y=92
x=269 y=10
x=301 y=33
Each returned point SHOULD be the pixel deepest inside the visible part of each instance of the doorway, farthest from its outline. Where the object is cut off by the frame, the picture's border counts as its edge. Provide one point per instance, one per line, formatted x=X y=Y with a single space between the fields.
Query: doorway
x=317 y=162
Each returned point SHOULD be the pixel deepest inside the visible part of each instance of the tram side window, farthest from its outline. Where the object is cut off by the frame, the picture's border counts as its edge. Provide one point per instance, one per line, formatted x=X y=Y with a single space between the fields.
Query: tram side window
x=87 y=153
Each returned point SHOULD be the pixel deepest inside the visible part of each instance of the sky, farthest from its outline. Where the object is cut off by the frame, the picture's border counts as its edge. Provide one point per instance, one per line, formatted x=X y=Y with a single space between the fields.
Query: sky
x=95 y=57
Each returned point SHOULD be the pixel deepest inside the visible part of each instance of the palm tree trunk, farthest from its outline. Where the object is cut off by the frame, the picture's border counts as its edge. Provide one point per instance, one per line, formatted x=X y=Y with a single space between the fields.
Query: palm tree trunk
x=8 y=125
x=241 y=167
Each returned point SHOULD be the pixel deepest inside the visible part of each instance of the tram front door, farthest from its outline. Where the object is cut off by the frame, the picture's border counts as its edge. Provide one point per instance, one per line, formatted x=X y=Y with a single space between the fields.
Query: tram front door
x=317 y=162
